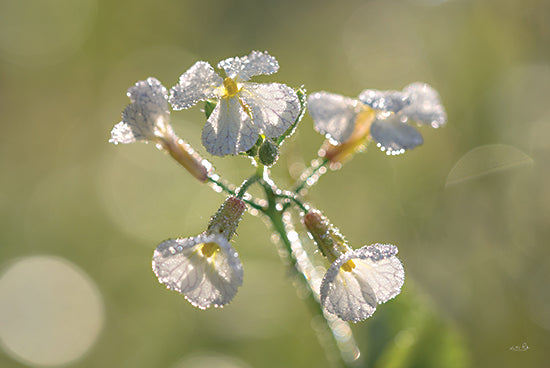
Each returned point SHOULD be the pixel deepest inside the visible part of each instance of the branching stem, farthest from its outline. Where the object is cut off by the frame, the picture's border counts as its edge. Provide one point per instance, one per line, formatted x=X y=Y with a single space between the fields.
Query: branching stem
x=275 y=206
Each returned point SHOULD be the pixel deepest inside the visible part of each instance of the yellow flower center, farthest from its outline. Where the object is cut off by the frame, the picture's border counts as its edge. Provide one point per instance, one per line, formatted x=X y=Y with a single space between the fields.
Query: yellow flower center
x=231 y=87
x=348 y=266
x=208 y=249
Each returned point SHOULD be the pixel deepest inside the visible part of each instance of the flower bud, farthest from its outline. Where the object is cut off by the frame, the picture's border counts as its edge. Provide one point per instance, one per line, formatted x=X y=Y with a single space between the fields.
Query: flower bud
x=268 y=152
x=226 y=220
x=327 y=236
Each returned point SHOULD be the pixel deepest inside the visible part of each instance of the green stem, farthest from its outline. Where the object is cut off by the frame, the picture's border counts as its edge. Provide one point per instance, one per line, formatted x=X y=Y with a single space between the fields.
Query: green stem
x=275 y=212
x=314 y=170
x=226 y=187
x=276 y=218
x=244 y=186
x=294 y=198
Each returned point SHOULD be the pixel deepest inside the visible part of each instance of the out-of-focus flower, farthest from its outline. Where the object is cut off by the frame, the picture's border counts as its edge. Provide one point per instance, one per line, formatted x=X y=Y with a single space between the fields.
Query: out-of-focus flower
x=418 y=103
x=245 y=109
x=360 y=280
x=344 y=121
x=147 y=119
x=357 y=280
x=382 y=114
x=204 y=268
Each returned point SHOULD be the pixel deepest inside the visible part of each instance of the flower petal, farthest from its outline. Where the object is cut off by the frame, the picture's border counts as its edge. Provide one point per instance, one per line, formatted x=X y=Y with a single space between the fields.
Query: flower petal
x=381 y=269
x=333 y=115
x=146 y=117
x=344 y=295
x=393 y=136
x=245 y=67
x=275 y=107
x=376 y=276
x=205 y=281
x=229 y=129
x=425 y=105
x=149 y=92
x=198 y=83
x=384 y=100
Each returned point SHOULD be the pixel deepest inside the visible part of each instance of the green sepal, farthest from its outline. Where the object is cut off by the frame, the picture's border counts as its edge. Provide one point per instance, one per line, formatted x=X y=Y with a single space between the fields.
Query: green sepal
x=209 y=106
x=302 y=97
x=253 y=151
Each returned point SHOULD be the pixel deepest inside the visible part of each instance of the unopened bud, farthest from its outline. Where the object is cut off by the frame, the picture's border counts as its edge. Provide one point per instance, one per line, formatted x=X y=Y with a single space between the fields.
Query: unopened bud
x=328 y=238
x=268 y=152
x=226 y=220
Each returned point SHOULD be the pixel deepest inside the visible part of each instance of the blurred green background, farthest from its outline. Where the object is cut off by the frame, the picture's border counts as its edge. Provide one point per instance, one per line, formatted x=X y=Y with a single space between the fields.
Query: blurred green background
x=469 y=210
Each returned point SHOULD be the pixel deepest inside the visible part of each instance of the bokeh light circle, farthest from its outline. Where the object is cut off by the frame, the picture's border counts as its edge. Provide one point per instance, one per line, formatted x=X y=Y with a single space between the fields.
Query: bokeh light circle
x=51 y=312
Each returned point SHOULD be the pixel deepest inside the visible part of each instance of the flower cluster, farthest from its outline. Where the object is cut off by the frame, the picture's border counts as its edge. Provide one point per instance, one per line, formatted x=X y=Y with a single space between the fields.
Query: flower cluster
x=254 y=119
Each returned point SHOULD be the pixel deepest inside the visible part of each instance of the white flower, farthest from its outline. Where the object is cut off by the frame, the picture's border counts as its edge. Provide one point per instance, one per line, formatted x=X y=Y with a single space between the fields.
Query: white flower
x=205 y=269
x=425 y=106
x=147 y=117
x=418 y=102
x=336 y=116
x=245 y=109
x=361 y=279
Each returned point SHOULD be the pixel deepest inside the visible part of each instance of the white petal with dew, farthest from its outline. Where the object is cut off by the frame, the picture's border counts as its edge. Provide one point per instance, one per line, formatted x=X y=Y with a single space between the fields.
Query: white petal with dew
x=150 y=93
x=229 y=129
x=274 y=107
x=205 y=281
x=245 y=67
x=377 y=276
x=198 y=83
x=123 y=133
x=384 y=100
x=425 y=105
x=393 y=136
x=333 y=115
x=146 y=117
